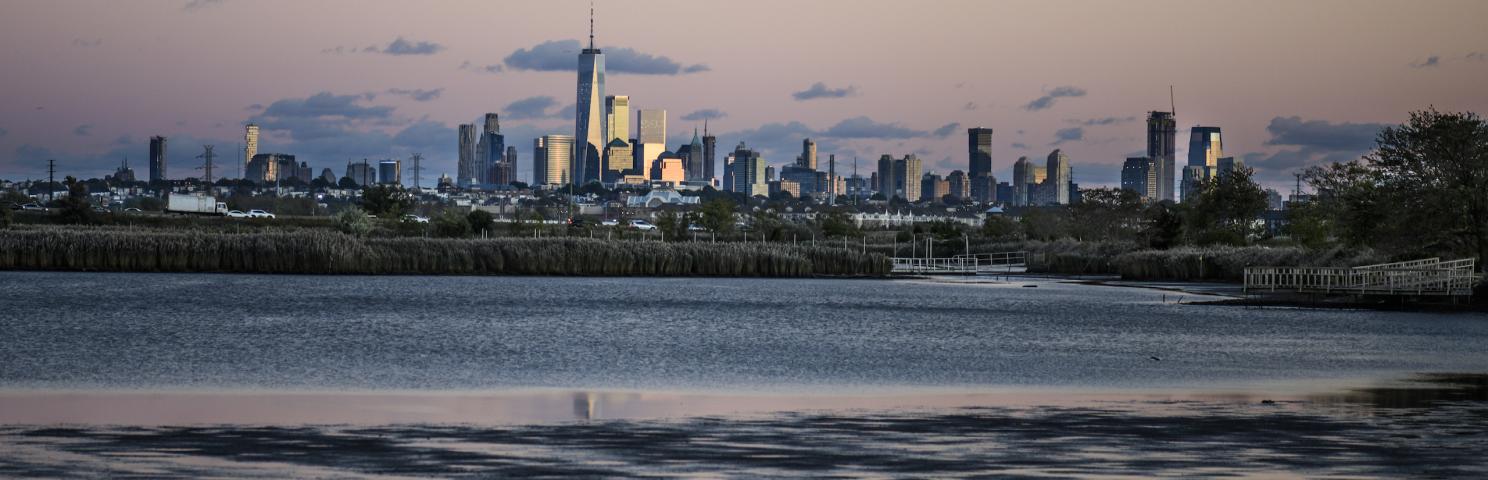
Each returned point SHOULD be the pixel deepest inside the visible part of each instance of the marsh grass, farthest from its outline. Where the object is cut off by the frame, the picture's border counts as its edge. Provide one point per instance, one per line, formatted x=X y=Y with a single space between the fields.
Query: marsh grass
x=321 y=251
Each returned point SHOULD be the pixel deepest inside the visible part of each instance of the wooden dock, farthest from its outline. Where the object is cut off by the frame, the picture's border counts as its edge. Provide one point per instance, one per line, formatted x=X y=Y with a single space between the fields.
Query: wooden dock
x=1425 y=277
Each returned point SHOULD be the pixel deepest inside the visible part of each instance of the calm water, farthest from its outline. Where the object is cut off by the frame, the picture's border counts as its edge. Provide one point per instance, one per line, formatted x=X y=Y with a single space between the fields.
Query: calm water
x=161 y=375
x=152 y=331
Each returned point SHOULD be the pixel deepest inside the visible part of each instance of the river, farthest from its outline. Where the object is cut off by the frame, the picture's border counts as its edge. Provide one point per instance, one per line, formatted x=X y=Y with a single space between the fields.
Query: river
x=615 y=375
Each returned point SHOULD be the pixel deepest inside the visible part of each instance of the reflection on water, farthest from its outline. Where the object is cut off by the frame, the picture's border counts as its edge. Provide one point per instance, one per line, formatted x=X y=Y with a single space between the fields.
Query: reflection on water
x=1420 y=391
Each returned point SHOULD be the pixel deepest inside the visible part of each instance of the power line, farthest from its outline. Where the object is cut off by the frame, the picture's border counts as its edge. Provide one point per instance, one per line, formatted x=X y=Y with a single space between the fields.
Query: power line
x=207 y=157
x=51 y=181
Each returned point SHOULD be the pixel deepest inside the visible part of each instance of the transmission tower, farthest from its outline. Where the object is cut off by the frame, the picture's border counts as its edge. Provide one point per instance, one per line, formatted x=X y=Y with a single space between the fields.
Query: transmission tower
x=51 y=181
x=207 y=157
x=417 y=167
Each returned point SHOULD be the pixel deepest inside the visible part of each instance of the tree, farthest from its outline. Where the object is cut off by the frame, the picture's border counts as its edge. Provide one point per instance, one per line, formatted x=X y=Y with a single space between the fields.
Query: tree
x=1106 y=214
x=346 y=183
x=1046 y=223
x=480 y=220
x=999 y=227
x=353 y=221
x=451 y=224
x=387 y=201
x=837 y=223
x=1226 y=209
x=666 y=223
x=1164 y=225
x=5 y=216
x=75 y=208
x=718 y=215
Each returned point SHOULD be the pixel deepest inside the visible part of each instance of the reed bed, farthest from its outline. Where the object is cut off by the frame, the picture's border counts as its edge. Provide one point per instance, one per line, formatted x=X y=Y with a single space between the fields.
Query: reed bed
x=1228 y=263
x=309 y=251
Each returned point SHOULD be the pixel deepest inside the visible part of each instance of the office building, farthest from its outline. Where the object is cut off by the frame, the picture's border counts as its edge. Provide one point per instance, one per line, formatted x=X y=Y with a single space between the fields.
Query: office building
x=1162 y=132
x=361 y=174
x=490 y=152
x=467 y=172
x=250 y=144
x=550 y=157
x=747 y=170
x=1139 y=175
x=902 y=177
x=933 y=187
x=1205 y=147
x=327 y=176
x=958 y=185
x=810 y=182
x=808 y=155
x=650 y=136
x=709 y=158
x=1058 y=178
x=885 y=183
x=589 y=138
x=274 y=167
x=696 y=172
x=979 y=172
x=668 y=170
x=390 y=172
x=617 y=119
x=619 y=154
x=785 y=186
x=157 y=159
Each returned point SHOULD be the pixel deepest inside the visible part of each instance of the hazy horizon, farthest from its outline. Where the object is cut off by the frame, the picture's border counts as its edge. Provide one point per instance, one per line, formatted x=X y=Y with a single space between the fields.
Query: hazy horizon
x=1291 y=83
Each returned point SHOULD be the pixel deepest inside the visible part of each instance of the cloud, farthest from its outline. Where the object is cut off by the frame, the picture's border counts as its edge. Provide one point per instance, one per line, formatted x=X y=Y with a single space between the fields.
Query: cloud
x=83 y=130
x=1478 y=56
x=1068 y=135
x=326 y=104
x=493 y=68
x=195 y=5
x=405 y=47
x=1431 y=61
x=1101 y=121
x=946 y=130
x=256 y=106
x=820 y=90
x=1322 y=134
x=418 y=95
x=705 y=114
x=561 y=56
x=1047 y=100
x=1020 y=146
x=864 y=127
x=969 y=106
x=530 y=107
x=4 y=132
x=87 y=42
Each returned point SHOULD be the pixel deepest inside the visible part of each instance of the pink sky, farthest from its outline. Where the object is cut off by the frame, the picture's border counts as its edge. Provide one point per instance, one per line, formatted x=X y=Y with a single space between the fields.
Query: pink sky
x=86 y=82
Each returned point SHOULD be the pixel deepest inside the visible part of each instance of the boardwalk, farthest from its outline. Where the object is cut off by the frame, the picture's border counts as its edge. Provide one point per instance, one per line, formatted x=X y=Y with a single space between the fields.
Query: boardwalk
x=1425 y=277
x=1002 y=262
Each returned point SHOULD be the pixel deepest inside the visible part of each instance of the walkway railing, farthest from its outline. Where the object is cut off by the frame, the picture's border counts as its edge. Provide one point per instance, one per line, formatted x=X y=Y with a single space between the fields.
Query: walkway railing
x=1429 y=276
x=1003 y=262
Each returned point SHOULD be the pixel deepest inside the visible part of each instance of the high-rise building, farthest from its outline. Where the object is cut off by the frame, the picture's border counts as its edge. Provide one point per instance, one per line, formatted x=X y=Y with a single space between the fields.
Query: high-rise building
x=1139 y=175
x=651 y=136
x=1059 y=180
x=250 y=144
x=906 y=173
x=157 y=158
x=274 y=167
x=748 y=172
x=979 y=149
x=1162 y=132
x=1028 y=179
x=696 y=172
x=362 y=174
x=1205 y=147
x=590 y=138
x=885 y=183
x=617 y=118
x=490 y=152
x=508 y=171
x=808 y=154
x=468 y=171
x=958 y=185
x=551 y=154
x=709 y=158
x=620 y=154
x=327 y=176
x=390 y=172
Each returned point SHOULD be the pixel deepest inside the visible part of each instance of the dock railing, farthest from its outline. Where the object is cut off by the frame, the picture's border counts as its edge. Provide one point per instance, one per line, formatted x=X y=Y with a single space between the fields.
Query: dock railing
x=1429 y=276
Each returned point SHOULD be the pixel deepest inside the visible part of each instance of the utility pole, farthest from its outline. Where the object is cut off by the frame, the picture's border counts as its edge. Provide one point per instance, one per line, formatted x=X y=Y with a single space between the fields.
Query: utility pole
x=417 y=158
x=51 y=181
x=207 y=157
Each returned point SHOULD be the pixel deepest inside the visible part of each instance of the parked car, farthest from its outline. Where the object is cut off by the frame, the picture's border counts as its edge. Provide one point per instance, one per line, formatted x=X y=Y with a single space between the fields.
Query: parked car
x=33 y=207
x=132 y=210
x=259 y=214
x=693 y=227
x=610 y=222
x=15 y=206
x=642 y=225
x=236 y=214
x=100 y=210
x=415 y=218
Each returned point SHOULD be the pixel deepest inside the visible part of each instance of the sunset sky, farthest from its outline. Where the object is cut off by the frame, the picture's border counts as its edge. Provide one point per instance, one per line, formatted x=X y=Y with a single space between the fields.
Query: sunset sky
x=1292 y=83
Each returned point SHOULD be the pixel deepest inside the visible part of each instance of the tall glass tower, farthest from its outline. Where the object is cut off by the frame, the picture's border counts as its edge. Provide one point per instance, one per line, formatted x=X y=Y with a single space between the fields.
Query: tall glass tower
x=589 y=126
x=1162 y=132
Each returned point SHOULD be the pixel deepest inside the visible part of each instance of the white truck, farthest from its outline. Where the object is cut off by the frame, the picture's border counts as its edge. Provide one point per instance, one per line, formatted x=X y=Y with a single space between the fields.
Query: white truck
x=195 y=204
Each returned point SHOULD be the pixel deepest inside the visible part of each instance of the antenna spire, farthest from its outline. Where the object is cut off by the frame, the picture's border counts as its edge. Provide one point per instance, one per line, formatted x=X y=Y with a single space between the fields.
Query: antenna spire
x=591 y=25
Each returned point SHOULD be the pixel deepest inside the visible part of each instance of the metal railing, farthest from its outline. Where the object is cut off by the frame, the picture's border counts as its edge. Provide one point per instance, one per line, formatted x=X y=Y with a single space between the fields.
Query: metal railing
x=1429 y=276
x=1002 y=262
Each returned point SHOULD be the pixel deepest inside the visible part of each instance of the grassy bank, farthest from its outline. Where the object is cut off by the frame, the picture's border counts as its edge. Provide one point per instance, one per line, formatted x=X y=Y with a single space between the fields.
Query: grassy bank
x=325 y=252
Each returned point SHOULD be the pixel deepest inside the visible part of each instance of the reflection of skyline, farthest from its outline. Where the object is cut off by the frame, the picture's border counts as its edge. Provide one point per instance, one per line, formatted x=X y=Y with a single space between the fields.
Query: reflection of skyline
x=585 y=406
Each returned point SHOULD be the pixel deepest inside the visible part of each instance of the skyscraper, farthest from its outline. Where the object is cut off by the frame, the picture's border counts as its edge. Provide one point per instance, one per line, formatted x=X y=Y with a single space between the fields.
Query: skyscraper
x=490 y=152
x=390 y=172
x=1028 y=183
x=709 y=159
x=157 y=158
x=885 y=184
x=1139 y=175
x=907 y=174
x=983 y=188
x=250 y=144
x=695 y=170
x=650 y=137
x=1205 y=147
x=550 y=157
x=748 y=172
x=590 y=138
x=1058 y=178
x=467 y=174
x=509 y=167
x=1162 y=132
x=808 y=154
x=617 y=118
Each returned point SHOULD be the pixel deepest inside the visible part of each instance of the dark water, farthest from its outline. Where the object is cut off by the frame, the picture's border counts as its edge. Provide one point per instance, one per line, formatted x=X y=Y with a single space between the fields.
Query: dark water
x=1341 y=409
x=68 y=330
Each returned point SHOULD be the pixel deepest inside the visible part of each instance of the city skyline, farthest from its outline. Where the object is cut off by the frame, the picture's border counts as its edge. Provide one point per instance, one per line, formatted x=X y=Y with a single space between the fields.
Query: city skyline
x=403 y=89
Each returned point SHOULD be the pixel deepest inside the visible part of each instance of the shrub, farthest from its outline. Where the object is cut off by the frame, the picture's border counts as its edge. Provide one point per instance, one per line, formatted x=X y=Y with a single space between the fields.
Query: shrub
x=353 y=221
x=451 y=224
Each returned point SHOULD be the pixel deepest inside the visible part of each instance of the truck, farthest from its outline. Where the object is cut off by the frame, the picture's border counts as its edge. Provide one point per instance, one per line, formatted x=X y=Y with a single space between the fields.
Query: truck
x=198 y=204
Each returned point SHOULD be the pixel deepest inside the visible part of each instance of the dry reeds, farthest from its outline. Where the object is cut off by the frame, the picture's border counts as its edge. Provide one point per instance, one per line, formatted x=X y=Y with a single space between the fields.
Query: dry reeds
x=326 y=252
